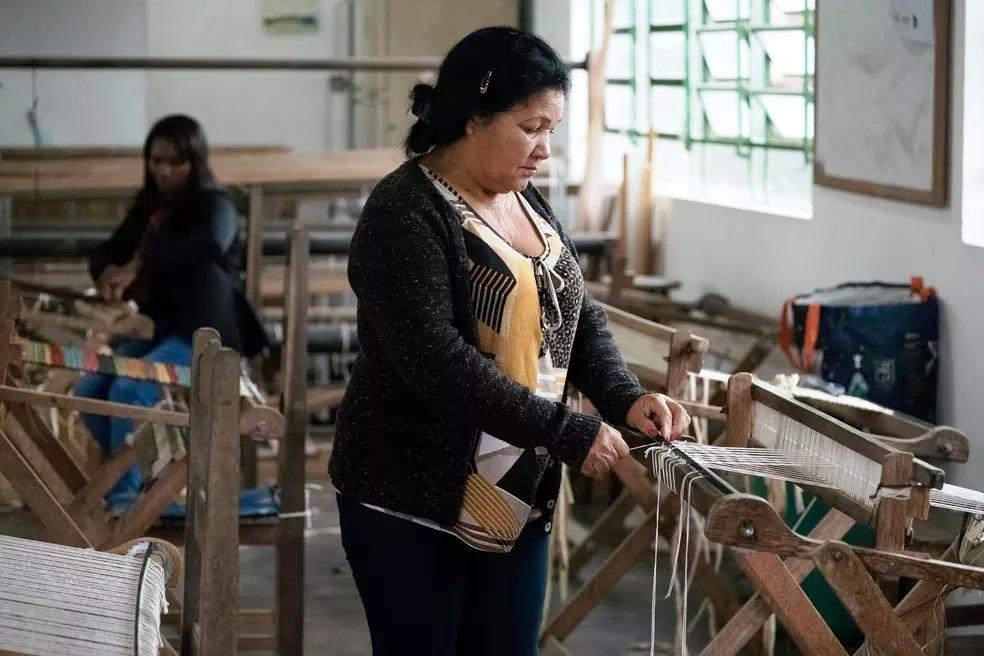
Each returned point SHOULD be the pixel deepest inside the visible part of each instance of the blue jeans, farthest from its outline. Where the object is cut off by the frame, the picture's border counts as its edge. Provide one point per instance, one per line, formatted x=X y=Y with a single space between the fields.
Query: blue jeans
x=111 y=432
x=425 y=592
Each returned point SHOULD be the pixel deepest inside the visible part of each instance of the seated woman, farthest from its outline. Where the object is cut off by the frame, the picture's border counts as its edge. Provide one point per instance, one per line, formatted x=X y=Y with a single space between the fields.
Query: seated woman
x=177 y=254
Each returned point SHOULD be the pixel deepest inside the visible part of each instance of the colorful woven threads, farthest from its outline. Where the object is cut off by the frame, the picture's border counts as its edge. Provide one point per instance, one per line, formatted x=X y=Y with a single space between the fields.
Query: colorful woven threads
x=90 y=360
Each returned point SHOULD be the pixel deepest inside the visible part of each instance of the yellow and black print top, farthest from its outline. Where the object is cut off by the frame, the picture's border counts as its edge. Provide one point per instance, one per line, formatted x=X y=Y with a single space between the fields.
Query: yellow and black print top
x=526 y=310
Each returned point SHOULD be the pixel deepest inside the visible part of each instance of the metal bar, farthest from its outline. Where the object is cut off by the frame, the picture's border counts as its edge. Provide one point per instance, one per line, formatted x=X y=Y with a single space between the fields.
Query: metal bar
x=776 y=28
x=777 y=145
x=668 y=27
x=214 y=63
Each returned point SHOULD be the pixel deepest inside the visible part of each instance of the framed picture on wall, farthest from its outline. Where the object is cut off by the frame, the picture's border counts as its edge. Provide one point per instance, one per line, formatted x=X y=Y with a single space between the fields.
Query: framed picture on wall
x=290 y=16
x=882 y=98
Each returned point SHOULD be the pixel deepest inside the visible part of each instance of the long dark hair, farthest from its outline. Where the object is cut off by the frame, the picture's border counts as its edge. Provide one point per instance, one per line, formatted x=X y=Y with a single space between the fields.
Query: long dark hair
x=188 y=138
x=488 y=72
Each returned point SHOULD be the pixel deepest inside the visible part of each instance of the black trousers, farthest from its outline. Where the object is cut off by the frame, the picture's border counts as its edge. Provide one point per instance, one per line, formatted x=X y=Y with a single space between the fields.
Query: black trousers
x=425 y=592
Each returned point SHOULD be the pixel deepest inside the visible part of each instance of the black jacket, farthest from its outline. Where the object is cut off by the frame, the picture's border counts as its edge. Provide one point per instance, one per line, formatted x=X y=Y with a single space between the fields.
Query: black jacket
x=420 y=389
x=192 y=268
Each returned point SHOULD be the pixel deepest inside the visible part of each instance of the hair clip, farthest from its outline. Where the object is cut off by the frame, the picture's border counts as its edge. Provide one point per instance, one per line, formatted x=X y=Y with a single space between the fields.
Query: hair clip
x=485 y=82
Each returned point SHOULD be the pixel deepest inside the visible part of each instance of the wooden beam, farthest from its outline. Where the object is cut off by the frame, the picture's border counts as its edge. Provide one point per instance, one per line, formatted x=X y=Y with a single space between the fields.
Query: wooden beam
x=749 y=522
x=61 y=459
x=608 y=523
x=150 y=504
x=95 y=407
x=625 y=556
x=790 y=604
x=291 y=474
x=748 y=622
x=61 y=527
x=885 y=632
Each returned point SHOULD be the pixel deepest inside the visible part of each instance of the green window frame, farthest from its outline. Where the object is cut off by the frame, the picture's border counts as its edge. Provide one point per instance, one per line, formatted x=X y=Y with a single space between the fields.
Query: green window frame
x=742 y=75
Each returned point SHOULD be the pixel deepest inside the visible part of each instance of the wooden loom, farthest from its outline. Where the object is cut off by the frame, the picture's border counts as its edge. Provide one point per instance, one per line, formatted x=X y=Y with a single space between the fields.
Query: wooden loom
x=710 y=312
x=760 y=416
x=76 y=314
x=48 y=592
x=208 y=613
x=939 y=443
x=69 y=502
x=639 y=339
x=749 y=522
x=209 y=622
x=663 y=358
x=282 y=628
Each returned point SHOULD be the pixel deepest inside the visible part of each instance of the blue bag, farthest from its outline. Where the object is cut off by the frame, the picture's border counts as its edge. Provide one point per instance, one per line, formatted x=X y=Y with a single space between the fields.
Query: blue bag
x=879 y=341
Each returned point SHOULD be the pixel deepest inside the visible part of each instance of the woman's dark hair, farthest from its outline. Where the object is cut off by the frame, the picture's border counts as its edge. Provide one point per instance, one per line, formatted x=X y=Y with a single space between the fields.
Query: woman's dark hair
x=188 y=139
x=488 y=72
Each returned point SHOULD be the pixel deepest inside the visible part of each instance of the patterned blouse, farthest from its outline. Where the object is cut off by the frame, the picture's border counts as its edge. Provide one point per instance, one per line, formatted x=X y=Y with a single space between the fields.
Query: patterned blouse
x=526 y=309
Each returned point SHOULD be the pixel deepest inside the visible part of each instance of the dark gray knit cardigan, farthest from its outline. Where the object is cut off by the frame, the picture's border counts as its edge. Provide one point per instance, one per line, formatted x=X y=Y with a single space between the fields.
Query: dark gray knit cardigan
x=420 y=389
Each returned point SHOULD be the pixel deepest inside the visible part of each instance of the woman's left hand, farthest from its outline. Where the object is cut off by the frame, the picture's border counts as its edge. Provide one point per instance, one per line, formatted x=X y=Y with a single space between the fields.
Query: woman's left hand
x=657 y=415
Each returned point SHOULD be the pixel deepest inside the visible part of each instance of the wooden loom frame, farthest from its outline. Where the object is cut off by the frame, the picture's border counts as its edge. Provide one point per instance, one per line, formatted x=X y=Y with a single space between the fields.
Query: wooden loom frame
x=285 y=533
x=211 y=589
x=58 y=490
x=774 y=580
x=747 y=522
x=655 y=307
x=209 y=619
x=173 y=569
x=684 y=355
x=86 y=313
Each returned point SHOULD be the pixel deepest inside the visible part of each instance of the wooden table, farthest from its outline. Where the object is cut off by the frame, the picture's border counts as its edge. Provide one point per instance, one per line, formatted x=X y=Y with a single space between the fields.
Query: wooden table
x=260 y=174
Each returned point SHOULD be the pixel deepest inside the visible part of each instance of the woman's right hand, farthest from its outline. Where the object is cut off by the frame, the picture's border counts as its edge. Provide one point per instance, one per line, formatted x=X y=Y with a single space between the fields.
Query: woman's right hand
x=608 y=448
x=115 y=279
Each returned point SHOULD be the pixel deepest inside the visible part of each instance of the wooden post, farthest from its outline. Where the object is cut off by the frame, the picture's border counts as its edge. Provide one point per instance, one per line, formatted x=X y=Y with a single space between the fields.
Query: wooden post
x=678 y=364
x=254 y=276
x=221 y=505
x=646 y=247
x=891 y=516
x=625 y=556
x=887 y=635
x=6 y=327
x=740 y=410
x=211 y=600
x=199 y=409
x=747 y=622
x=790 y=604
x=290 y=542
x=254 y=245
x=589 y=198
x=61 y=527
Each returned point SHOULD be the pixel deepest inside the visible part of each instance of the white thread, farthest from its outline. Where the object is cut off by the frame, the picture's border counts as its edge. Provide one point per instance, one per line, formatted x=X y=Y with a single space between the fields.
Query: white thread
x=63 y=600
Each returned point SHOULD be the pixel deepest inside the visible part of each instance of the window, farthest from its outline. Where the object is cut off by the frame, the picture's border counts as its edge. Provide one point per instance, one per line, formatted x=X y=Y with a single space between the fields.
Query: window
x=728 y=87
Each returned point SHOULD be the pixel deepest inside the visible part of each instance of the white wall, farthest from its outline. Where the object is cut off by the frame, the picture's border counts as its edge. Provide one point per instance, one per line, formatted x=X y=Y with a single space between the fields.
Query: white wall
x=759 y=259
x=75 y=107
x=276 y=107
x=973 y=156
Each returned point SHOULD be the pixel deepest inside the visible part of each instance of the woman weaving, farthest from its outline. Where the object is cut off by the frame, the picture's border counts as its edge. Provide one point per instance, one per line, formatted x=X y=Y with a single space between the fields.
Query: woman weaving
x=177 y=254
x=472 y=322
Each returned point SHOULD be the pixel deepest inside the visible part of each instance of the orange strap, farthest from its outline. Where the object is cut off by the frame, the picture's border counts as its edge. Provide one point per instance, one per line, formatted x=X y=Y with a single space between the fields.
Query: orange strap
x=804 y=361
x=918 y=286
